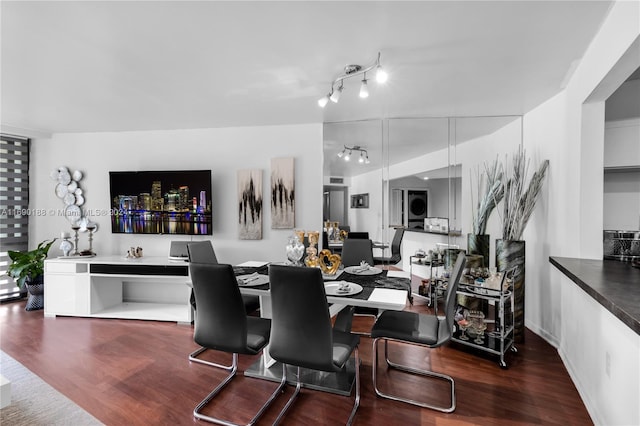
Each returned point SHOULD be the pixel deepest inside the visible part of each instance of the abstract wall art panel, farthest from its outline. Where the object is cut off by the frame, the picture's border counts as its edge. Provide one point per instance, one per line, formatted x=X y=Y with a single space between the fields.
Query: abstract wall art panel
x=282 y=193
x=250 y=208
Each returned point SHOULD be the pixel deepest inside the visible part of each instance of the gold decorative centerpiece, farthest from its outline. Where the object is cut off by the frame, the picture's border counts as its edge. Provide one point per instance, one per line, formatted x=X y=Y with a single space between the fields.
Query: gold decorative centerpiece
x=312 y=252
x=329 y=262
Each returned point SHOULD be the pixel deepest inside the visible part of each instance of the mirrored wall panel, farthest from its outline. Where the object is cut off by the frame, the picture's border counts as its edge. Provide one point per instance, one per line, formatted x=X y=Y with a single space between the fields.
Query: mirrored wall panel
x=418 y=174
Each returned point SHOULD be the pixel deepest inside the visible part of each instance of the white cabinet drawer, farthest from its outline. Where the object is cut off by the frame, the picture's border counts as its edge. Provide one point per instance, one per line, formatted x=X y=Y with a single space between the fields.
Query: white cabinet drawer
x=64 y=267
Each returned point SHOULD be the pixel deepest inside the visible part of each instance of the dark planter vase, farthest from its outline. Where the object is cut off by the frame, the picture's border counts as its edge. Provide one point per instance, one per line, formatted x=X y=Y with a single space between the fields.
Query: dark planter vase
x=511 y=254
x=479 y=244
x=35 y=288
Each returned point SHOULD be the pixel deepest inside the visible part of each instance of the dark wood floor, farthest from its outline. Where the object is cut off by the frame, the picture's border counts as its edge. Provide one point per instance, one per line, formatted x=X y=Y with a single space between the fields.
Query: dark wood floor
x=137 y=373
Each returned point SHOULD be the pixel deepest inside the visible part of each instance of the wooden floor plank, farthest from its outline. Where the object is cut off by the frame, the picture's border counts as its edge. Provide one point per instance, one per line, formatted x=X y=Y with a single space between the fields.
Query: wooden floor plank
x=137 y=373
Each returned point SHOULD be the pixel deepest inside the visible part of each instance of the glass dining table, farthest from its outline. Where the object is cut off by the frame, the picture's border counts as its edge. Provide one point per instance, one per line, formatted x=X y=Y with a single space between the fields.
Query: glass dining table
x=379 y=291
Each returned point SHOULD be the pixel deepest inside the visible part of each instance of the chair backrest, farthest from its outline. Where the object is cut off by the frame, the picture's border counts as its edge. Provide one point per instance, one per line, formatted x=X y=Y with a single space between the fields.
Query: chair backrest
x=220 y=320
x=301 y=332
x=202 y=252
x=397 y=241
x=446 y=327
x=356 y=251
x=358 y=235
x=325 y=240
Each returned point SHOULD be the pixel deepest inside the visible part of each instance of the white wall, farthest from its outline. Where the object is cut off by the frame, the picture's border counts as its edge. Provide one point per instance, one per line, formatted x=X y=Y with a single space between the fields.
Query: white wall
x=622 y=201
x=224 y=151
x=622 y=143
x=368 y=220
x=565 y=225
x=473 y=154
x=624 y=103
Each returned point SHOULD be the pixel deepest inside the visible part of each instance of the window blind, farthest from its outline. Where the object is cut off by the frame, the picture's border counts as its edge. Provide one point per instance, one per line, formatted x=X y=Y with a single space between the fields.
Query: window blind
x=14 y=205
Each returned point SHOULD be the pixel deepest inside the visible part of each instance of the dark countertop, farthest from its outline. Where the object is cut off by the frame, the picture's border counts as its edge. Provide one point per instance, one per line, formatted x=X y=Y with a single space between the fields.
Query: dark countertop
x=613 y=284
x=422 y=231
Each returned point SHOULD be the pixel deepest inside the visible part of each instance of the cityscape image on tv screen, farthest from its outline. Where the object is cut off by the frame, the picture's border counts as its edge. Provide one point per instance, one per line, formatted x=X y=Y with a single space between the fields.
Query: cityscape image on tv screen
x=161 y=202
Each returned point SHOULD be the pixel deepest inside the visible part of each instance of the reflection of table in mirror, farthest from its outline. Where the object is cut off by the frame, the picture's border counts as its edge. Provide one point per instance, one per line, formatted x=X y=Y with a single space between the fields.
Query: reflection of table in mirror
x=335 y=246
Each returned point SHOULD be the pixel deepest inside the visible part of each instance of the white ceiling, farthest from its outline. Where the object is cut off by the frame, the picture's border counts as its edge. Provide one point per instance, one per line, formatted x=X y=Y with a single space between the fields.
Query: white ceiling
x=117 y=66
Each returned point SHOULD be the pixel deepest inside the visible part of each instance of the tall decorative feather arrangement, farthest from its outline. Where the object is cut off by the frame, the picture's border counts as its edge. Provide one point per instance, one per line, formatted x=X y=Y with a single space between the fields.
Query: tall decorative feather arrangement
x=519 y=199
x=490 y=193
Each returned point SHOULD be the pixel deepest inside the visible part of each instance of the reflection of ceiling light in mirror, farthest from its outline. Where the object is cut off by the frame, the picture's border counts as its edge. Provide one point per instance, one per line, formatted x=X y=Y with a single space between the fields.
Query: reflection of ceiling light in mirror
x=364 y=156
x=353 y=71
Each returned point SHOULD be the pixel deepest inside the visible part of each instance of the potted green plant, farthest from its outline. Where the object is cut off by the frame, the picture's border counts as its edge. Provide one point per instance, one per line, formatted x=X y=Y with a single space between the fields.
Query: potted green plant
x=27 y=269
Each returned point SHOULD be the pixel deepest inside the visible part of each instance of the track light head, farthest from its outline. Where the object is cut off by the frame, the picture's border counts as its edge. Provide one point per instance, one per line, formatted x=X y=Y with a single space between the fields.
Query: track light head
x=364 y=90
x=381 y=75
x=336 y=94
x=322 y=102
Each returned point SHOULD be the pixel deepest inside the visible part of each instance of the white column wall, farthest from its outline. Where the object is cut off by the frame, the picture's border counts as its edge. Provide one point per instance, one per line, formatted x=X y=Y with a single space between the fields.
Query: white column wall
x=224 y=151
x=554 y=130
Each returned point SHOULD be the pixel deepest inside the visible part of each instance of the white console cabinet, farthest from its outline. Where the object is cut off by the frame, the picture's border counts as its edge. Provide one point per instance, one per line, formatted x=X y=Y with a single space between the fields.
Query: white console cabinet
x=148 y=288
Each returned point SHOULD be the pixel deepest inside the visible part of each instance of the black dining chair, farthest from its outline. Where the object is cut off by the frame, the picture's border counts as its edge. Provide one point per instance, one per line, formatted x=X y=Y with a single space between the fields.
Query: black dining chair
x=422 y=330
x=301 y=331
x=222 y=324
x=355 y=251
x=203 y=252
x=396 y=254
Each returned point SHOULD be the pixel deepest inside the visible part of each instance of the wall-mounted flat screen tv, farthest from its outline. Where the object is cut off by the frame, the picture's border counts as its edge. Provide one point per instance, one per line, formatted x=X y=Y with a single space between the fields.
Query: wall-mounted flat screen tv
x=161 y=202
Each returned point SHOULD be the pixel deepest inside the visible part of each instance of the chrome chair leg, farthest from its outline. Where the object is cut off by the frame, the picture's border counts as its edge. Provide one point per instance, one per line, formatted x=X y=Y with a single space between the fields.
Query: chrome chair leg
x=234 y=368
x=293 y=397
x=299 y=386
x=411 y=370
x=356 y=404
x=193 y=358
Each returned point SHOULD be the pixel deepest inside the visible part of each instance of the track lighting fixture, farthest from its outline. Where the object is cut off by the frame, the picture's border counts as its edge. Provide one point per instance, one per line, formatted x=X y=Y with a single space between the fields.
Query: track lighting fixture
x=350 y=71
x=348 y=151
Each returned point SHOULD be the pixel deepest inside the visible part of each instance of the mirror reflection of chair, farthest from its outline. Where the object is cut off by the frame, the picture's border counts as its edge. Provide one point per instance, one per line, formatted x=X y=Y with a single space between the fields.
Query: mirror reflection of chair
x=358 y=235
x=396 y=254
x=355 y=251
x=222 y=324
x=203 y=252
x=418 y=329
x=301 y=331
